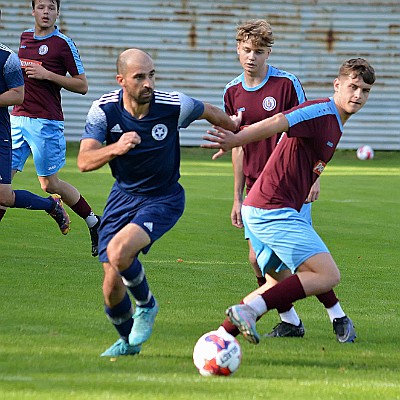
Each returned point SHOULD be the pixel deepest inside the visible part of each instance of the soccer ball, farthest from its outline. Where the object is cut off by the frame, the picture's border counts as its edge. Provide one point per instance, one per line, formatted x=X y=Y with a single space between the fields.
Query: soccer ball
x=365 y=153
x=217 y=354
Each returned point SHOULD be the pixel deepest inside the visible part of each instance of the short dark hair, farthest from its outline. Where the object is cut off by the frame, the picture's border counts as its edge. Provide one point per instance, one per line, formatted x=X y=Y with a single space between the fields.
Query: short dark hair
x=57 y=2
x=358 y=67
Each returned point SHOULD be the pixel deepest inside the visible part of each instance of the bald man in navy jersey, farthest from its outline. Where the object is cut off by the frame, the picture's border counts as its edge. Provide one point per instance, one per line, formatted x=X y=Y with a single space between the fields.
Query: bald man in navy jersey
x=135 y=129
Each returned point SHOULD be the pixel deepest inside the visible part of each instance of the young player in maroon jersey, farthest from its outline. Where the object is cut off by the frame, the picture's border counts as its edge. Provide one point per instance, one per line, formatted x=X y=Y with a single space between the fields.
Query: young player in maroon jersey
x=271 y=210
x=262 y=91
x=12 y=93
x=37 y=125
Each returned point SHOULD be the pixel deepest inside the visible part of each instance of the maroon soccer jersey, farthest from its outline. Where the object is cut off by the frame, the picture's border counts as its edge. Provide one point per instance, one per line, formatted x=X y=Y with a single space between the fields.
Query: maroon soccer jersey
x=57 y=53
x=300 y=156
x=279 y=91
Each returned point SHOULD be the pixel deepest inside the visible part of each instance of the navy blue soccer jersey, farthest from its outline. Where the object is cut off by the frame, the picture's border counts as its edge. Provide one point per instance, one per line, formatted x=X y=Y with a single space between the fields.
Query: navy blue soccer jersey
x=151 y=167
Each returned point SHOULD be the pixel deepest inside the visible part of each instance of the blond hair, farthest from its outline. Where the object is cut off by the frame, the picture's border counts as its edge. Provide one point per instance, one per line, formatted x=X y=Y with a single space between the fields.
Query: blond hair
x=258 y=31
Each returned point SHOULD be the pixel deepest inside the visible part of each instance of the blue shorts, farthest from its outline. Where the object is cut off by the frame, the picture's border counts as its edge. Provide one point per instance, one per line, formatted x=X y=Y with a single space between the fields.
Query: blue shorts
x=305 y=212
x=155 y=214
x=281 y=238
x=43 y=138
x=5 y=161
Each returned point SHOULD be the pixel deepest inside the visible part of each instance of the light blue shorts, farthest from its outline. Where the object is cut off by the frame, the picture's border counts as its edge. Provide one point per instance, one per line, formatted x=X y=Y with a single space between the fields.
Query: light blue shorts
x=43 y=138
x=305 y=212
x=281 y=238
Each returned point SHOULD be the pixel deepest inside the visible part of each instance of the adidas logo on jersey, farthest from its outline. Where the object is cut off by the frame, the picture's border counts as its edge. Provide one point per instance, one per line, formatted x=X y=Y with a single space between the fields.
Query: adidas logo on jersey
x=116 y=129
x=149 y=226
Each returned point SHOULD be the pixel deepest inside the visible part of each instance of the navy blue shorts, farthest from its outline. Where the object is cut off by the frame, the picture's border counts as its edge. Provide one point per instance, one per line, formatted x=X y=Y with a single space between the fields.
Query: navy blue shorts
x=155 y=214
x=5 y=161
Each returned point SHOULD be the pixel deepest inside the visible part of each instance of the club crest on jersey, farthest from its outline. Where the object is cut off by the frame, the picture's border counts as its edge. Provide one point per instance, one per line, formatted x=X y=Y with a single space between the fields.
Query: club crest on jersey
x=43 y=49
x=319 y=167
x=269 y=103
x=159 y=132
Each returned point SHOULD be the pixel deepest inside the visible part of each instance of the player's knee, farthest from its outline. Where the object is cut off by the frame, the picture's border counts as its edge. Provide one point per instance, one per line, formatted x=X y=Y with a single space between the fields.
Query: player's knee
x=117 y=256
x=335 y=278
x=114 y=257
x=330 y=278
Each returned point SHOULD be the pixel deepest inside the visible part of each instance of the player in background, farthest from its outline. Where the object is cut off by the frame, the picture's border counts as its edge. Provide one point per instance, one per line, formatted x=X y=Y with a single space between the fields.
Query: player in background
x=312 y=133
x=11 y=93
x=262 y=91
x=140 y=128
x=37 y=125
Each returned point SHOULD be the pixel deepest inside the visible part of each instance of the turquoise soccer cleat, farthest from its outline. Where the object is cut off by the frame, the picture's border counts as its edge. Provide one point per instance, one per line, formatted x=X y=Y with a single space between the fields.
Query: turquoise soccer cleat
x=143 y=321
x=121 y=348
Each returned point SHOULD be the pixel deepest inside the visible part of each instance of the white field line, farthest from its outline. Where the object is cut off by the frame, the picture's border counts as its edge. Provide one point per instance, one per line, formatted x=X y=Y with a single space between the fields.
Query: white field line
x=188 y=379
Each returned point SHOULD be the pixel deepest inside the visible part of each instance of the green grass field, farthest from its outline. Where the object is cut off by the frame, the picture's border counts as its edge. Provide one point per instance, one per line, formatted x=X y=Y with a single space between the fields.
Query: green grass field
x=52 y=325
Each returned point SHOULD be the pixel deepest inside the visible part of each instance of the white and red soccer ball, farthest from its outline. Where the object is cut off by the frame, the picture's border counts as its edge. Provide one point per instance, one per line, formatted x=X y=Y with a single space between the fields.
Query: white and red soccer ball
x=365 y=153
x=217 y=354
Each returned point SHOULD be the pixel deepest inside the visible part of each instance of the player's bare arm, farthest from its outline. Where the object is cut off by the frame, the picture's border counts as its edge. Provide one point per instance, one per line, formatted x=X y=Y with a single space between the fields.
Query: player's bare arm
x=93 y=155
x=226 y=140
x=314 y=192
x=76 y=83
x=12 y=97
x=238 y=186
x=218 y=117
